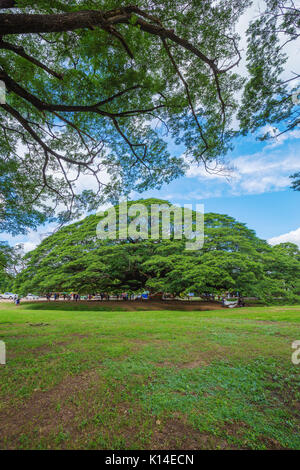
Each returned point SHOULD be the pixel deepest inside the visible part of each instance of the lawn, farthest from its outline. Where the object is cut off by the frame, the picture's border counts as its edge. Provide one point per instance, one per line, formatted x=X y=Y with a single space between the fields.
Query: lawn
x=98 y=379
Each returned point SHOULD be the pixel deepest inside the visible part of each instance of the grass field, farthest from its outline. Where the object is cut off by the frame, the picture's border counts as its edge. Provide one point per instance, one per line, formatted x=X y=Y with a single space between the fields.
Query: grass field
x=97 y=379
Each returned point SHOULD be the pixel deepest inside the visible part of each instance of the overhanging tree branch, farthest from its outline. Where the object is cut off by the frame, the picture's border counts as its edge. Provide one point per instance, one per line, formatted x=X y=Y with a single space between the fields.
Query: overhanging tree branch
x=33 y=23
x=100 y=114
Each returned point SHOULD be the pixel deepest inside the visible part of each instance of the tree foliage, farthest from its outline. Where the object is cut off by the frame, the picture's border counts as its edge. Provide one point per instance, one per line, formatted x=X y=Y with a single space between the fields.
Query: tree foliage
x=268 y=98
x=7 y=262
x=232 y=259
x=94 y=86
x=270 y=103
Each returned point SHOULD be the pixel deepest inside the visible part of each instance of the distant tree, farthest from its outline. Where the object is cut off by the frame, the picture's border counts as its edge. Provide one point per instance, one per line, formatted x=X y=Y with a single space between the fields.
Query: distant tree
x=232 y=259
x=6 y=266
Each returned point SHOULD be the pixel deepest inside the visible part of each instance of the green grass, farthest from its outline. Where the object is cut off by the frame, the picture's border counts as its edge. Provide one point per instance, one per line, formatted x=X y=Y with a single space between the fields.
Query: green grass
x=137 y=380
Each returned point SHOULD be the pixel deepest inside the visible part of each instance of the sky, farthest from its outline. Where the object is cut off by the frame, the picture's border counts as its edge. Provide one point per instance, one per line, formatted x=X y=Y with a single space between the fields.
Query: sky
x=257 y=192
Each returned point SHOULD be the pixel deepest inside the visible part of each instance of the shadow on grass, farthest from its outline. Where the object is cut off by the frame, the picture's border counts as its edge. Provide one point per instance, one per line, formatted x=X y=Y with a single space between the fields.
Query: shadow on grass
x=72 y=306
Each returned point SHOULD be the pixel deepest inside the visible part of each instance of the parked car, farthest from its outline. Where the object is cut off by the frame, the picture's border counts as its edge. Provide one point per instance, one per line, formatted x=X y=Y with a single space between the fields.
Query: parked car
x=32 y=297
x=7 y=295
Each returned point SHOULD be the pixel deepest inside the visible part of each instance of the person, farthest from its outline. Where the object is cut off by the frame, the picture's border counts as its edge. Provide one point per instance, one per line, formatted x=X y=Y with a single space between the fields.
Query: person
x=48 y=296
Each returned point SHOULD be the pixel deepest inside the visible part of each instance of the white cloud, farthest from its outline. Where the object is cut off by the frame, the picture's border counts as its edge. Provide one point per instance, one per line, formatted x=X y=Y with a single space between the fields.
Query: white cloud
x=257 y=173
x=31 y=239
x=267 y=163
x=293 y=237
x=265 y=184
x=29 y=246
x=277 y=137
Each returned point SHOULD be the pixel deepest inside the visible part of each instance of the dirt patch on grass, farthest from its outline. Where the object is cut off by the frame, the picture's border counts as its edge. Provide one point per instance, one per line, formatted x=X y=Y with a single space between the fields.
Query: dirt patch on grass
x=198 y=359
x=198 y=363
x=184 y=365
x=236 y=431
x=277 y=323
x=176 y=434
x=41 y=411
x=48 y=347
x=270 y=444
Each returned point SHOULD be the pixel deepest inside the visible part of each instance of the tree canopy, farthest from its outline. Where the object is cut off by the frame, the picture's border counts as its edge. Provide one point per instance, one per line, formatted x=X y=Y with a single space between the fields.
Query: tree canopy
x=269 y=99
x=10 y=260
x=271 y=103
x=94 y=86
x=232 y=259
